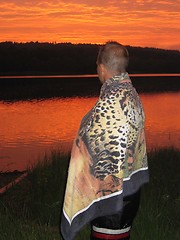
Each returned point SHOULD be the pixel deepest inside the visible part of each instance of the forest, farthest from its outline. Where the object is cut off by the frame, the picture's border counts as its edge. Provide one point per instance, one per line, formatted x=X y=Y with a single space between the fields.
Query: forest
x=34 y=58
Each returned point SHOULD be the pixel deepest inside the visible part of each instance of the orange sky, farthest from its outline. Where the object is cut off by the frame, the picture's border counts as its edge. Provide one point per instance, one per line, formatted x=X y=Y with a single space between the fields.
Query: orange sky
x=143 y=23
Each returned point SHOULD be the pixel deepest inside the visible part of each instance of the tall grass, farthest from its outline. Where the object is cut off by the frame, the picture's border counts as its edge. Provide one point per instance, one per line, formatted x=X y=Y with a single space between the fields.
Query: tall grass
x=159 y=214
x=31 y=209
x=12 y=228
x=39 y=196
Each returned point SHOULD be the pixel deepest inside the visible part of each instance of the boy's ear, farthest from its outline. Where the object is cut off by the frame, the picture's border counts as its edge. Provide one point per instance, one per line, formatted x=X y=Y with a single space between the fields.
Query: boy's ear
x=102 y=69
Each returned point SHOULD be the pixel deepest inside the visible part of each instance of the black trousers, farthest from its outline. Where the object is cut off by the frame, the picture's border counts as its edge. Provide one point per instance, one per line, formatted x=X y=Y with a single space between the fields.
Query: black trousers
x=117 y=226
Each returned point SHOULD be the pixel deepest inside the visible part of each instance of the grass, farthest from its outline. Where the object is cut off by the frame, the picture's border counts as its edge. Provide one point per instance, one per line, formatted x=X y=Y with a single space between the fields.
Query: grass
x=12 y=229
x=31 y=210
x=159 y=215
x=7 y=177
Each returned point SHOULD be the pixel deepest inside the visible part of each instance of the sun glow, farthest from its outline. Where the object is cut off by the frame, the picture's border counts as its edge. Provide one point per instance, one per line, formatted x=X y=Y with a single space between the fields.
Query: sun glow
x=137 y=23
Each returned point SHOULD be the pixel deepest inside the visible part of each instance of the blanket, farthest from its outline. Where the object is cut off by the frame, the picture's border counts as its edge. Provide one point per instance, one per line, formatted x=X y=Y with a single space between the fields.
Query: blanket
x=108 y=158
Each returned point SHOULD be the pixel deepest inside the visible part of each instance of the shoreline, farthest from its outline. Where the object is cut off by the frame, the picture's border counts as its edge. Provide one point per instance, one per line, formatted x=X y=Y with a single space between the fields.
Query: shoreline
x=8 y=179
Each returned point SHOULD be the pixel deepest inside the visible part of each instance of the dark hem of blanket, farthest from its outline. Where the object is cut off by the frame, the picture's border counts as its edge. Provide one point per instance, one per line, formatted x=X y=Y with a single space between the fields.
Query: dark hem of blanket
x=103 y=207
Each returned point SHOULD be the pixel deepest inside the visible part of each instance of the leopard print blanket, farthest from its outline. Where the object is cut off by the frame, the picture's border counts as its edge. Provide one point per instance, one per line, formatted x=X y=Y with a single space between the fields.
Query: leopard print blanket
x=108 y=159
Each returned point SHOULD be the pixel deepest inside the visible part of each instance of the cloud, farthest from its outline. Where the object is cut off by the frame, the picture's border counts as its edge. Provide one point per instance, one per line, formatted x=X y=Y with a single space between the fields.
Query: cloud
x=137 y=22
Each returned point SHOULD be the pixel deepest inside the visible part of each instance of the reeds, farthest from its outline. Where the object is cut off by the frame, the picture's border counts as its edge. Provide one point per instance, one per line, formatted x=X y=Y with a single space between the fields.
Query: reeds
x=31 y=209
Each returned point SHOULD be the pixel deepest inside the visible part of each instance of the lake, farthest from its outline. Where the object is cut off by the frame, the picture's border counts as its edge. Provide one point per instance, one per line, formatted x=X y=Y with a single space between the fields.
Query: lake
x=32 y=127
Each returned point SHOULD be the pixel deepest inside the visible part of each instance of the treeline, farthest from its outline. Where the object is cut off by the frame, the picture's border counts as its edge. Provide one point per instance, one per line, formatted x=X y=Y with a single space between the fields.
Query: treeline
x=66 y=58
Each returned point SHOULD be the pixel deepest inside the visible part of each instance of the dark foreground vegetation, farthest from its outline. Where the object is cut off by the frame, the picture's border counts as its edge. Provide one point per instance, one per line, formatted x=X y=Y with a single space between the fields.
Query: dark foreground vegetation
x=65 y=58
x=31 y=209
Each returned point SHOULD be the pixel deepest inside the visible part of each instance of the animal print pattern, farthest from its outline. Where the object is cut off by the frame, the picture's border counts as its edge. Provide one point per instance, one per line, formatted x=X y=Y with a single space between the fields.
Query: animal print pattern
x=108 y=158
x=111 y=130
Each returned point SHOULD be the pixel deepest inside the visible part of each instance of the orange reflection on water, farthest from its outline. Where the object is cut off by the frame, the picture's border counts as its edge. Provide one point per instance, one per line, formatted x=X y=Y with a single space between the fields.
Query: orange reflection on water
x=30 y=128
x=162 y=119
x=48 y=119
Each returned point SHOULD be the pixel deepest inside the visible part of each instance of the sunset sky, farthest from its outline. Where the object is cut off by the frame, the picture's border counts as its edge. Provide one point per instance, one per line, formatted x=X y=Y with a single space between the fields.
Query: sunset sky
x=146 y=23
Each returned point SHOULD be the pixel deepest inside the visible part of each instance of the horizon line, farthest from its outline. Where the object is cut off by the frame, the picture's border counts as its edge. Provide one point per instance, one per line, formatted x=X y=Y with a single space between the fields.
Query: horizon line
x=90 y=75
x=55 y=43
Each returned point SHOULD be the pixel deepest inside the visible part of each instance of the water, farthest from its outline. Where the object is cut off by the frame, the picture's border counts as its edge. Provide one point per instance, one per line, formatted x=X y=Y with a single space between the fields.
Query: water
x=31 y=128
